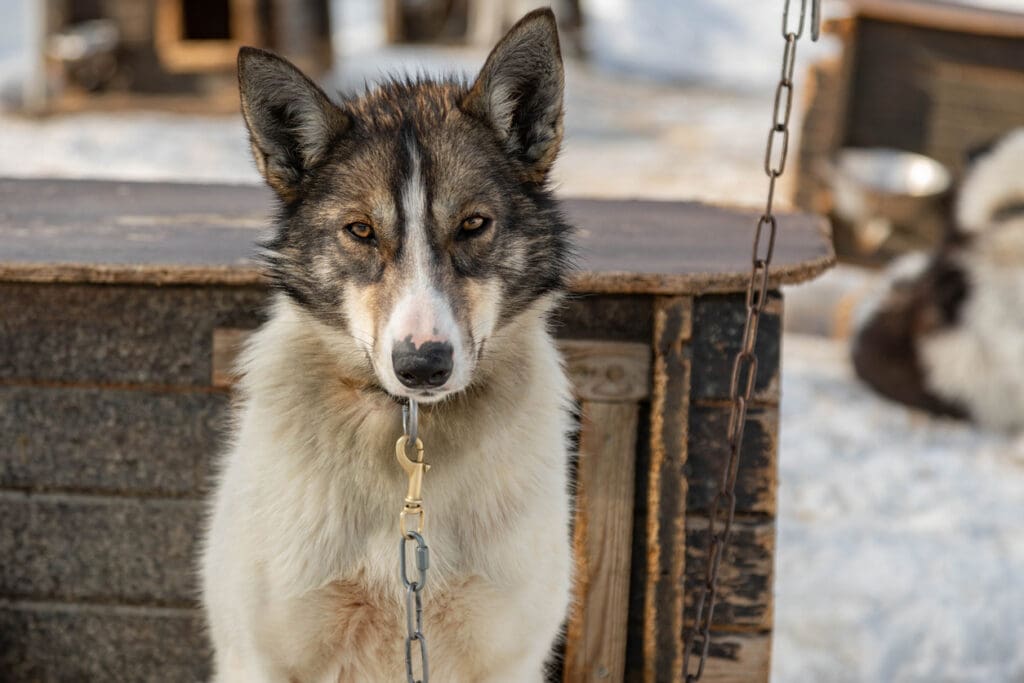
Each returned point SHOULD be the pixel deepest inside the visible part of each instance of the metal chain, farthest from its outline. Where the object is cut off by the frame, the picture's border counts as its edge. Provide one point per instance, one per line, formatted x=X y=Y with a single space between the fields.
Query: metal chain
x=744 y=369
x=413 y=508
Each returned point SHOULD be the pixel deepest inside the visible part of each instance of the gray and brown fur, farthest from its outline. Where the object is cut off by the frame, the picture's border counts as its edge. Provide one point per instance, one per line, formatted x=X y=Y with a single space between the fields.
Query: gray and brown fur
x=481 y=148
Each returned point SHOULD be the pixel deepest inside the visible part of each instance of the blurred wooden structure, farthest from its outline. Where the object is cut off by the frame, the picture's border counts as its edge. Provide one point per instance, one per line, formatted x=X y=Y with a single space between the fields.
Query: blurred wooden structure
x=475 y=22
x=935 y=78
x=121 y=306
x=186 y=48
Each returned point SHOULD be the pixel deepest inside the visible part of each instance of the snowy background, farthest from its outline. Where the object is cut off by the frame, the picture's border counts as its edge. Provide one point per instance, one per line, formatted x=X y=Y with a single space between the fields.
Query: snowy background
x=901 y=538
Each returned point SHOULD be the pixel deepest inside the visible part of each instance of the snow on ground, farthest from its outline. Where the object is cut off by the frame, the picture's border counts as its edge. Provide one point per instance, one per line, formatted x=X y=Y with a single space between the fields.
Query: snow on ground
x=901 y=538
x=129 y=146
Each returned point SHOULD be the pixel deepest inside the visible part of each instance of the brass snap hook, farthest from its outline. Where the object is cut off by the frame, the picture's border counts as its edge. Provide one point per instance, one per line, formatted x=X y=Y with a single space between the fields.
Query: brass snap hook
x=415 y=470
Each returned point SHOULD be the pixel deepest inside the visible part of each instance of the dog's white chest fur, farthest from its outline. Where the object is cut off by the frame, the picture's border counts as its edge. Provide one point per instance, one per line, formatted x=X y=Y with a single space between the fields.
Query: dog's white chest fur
x=300 y=569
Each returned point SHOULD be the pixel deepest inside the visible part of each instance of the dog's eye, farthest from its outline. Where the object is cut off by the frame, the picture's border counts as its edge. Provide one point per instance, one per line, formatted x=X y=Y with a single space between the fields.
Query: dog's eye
x=361 y=231
x=472 y=226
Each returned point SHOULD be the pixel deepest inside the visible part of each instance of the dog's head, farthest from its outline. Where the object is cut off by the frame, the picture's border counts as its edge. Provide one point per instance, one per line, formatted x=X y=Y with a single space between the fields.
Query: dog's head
x=416 y=219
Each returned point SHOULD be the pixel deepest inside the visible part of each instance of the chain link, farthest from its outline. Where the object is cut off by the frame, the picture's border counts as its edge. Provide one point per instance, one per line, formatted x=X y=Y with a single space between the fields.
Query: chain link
x=413 y=508
x=414 y=638
x=744 y=369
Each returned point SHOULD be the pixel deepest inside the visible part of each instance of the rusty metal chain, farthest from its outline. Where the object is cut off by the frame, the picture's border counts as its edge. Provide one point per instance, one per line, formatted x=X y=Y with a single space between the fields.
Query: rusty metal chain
x=412 y=511
x=744 y=370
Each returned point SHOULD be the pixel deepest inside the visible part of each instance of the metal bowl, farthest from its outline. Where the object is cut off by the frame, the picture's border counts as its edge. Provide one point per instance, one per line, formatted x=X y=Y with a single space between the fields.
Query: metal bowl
x=889 y=196
x=893 y=171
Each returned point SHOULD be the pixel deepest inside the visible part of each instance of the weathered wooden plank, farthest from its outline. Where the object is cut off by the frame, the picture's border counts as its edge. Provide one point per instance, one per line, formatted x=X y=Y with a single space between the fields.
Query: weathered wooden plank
x=89 y=335
x=666 y=494
x=745 y=577
x=596 y=642
x=608 y=371
x=708 y=450
x=227 y=344
x=610 y=317
x=718 y=322
x=971 y=107
x=103 y=440
x=54 y=642
x=738 y=658
x=162 y=233
x=892 y=91
x=96 y=549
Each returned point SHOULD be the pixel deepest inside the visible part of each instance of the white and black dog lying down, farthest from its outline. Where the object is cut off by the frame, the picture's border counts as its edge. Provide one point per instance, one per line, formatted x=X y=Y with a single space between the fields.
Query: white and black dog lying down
x=948 y=335
x=419 y=253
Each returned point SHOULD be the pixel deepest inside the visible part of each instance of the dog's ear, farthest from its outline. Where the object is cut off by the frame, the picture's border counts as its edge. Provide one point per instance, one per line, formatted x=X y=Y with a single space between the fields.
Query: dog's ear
x=292 y=123
x=519 y=92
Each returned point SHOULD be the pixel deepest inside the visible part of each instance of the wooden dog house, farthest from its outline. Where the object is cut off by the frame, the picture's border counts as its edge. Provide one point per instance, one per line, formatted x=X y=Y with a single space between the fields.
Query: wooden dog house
x=936 y=78
x=121 y=306
x=190 y=46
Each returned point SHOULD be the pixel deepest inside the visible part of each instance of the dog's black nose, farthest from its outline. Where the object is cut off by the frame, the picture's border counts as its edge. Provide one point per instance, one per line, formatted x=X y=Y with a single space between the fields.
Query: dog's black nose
x=429 y=365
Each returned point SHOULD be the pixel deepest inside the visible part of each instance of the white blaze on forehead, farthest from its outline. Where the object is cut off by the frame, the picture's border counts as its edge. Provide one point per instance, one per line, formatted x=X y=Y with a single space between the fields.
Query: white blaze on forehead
x=421 y=313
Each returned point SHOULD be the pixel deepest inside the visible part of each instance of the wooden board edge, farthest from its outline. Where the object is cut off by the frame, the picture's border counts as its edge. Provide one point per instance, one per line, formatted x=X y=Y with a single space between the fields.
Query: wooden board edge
x=604 y=282
x=944 y=17
x=603 y=542
x=663 y=604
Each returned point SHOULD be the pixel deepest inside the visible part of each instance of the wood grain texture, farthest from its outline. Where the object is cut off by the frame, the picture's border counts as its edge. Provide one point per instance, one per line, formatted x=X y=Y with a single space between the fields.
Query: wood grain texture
x=666 y=494
x=707 y=450
x=745 y=580
x=227 y=344
x=739 y=658
x=116 y=334
x=603 y=534
x=608 y=371
x=171 y=233
x=893 y=99
x=718 y=322
x=609 y=317
x=972 y=105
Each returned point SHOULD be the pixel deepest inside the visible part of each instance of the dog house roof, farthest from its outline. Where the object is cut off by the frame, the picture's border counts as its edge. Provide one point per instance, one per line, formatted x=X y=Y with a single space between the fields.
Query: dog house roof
x=170 y=234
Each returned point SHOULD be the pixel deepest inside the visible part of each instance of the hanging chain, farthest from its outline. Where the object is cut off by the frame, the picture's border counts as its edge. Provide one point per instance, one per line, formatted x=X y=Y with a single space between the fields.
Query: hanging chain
x=413 y=510
x=744 y=369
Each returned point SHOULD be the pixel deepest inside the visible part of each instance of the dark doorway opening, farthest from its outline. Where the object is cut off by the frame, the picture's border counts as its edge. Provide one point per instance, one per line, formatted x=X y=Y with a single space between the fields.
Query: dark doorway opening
x=206 y=19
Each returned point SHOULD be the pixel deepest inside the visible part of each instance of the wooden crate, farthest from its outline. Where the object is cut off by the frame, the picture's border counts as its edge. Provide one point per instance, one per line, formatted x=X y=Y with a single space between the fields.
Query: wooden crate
x=120 y=307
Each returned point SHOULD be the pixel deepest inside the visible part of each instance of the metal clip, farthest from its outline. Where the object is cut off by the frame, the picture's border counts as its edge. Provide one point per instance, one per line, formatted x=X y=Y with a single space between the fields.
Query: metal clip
x=415 y=470
x=411 y=420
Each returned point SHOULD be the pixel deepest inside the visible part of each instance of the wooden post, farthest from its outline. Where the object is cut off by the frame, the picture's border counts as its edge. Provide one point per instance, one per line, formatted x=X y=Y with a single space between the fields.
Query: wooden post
x=611 y=378
x=666 y=496
x=603 y=535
